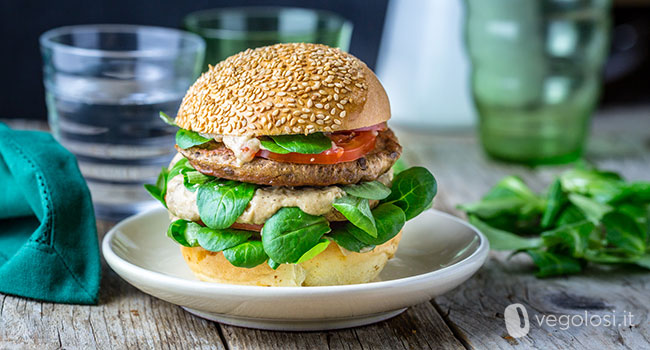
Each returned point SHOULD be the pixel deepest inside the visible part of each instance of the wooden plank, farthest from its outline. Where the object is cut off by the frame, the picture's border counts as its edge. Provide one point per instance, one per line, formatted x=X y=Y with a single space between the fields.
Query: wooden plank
x=420 y=327
x=124 y=318
x=474 y=311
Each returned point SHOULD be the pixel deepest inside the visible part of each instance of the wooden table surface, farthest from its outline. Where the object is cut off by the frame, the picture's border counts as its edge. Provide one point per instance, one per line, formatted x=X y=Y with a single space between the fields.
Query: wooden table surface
x=470 y=316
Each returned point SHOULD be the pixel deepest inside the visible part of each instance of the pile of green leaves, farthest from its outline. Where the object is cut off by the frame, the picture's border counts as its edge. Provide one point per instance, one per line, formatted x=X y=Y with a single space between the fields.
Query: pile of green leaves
x=292 y=236
x=586 y=216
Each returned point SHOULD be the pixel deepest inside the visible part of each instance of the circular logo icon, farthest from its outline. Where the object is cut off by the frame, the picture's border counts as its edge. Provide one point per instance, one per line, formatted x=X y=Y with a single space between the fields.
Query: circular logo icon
x=516 y=318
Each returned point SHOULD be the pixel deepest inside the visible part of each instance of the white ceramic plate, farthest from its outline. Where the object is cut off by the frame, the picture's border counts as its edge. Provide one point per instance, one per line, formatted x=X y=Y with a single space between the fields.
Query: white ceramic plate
x=437 y=253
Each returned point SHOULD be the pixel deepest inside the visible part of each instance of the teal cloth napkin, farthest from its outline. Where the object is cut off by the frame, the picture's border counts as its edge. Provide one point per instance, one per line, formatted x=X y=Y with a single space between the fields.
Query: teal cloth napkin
x=48 y=235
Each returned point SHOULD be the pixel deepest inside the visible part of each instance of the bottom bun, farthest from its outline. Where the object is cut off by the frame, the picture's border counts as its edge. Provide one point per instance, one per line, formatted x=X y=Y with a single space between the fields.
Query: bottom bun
x=331 y=267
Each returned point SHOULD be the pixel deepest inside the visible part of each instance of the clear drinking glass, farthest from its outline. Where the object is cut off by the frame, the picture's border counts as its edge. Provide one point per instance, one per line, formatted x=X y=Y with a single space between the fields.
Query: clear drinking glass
x=105 y=85
x=228 y=31
x=536 y=74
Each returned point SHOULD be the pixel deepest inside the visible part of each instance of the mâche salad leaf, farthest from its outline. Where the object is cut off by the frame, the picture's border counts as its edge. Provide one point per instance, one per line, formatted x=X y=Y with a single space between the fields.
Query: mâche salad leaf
x=555 y=200
x=504 y=240
x=357 y=211
x=159 y=190
x=369 y=190
x=184 y=233
x=413 y=191
x=389 y=219
x=305 y=144
x=248 y=254
x=290 y=233
x=186 y=139
x=218 y=240
x=342 y=236
x=587 y=216
x=192 y=179
x=623 y=232
x=272 y=264
x=270 y=145
x=551 y=264
x=167 y=119
x=221 y=202
x=315 y=250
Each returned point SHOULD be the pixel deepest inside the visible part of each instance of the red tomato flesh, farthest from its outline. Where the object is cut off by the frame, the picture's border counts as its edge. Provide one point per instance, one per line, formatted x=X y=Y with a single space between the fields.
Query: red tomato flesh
x=348 y=146
x=247 y=227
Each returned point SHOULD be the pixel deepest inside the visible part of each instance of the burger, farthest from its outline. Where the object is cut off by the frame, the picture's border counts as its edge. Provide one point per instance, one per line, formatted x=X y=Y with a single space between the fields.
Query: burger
x=285 y=171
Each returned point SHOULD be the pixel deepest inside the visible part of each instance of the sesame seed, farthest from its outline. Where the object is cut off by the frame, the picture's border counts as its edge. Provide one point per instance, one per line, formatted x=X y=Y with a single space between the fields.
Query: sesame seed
x=232 y=94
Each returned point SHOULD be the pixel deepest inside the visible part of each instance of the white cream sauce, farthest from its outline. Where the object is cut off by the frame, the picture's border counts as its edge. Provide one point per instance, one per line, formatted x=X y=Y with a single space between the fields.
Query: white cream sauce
x=266 y=201
x=244 y=147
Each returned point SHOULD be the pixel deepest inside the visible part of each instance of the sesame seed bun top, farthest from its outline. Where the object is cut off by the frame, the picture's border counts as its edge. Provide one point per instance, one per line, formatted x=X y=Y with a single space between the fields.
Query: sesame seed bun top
x=284 y=89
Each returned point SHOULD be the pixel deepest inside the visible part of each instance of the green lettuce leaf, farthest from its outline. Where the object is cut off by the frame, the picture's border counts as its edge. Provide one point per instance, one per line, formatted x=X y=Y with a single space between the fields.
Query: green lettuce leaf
x=551 y=264
x=592 y=209
x=369 y=190
x=186 y=139
x=357 y=211
x=413 y=191
x=159 y=190
x=270 y=145
x=504 y=240
x=184 y=233
x=273 y=264
x=555 y=201
x=306 y=144
x=314 y=251
x=623 y=232
x=389 y=219
x=192 y=179
x=341 y=236
x=218 y=240
x=509 y=196
x=221 y=202
x=167 y=119
x=290 y=233
x=572 y=238
x=248 y=254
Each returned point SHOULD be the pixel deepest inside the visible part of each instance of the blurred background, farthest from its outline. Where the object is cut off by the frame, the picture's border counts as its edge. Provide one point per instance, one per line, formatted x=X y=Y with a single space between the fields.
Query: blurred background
x=627 y=70
x=525 y=76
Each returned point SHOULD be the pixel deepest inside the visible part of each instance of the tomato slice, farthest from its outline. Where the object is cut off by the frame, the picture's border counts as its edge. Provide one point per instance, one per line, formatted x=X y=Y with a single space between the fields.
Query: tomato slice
x=349 y=145
x=247 y=227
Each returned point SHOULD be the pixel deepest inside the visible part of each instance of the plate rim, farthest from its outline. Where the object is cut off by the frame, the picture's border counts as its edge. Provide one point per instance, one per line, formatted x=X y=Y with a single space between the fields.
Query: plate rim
x=118 y=263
